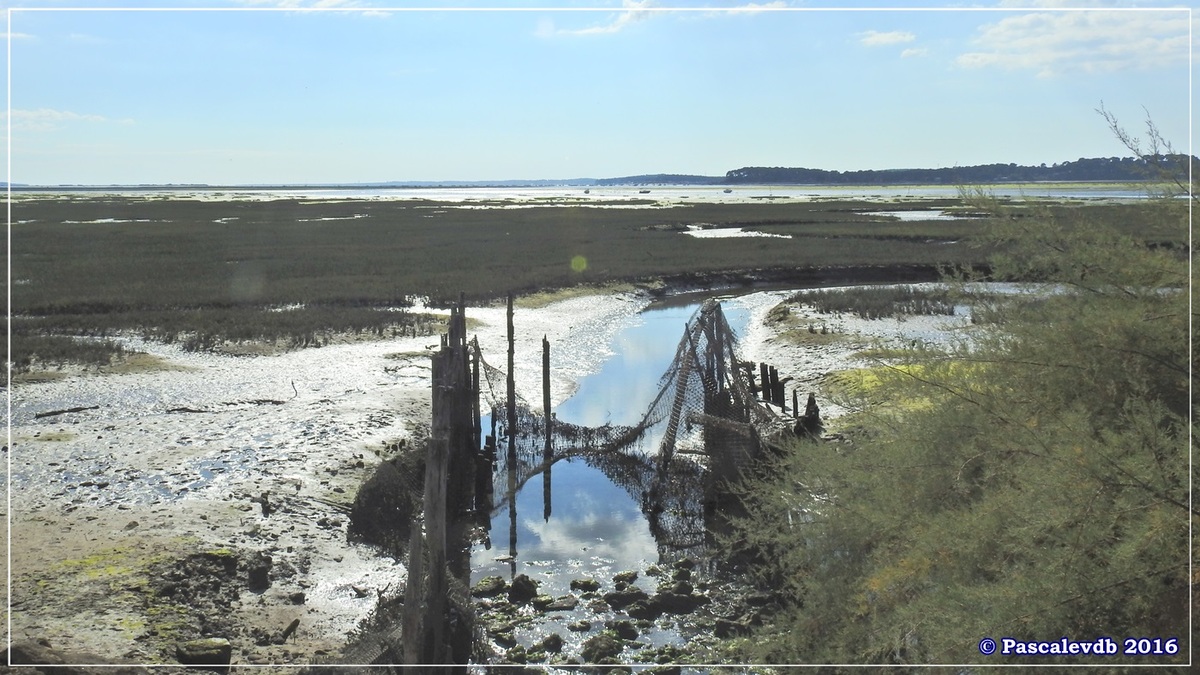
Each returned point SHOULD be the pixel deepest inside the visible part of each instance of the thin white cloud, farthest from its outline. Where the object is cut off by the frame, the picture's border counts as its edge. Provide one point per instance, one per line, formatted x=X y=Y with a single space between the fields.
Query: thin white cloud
x=301 y=5
x=49 y=119
x=754 y=8
x=874 y=38
x=1054 y=43
x=914 y=52
x=18 y=36
x=635 y=11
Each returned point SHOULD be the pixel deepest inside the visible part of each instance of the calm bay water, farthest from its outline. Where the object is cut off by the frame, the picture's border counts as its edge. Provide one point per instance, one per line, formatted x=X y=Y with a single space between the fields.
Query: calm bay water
x=595 y=195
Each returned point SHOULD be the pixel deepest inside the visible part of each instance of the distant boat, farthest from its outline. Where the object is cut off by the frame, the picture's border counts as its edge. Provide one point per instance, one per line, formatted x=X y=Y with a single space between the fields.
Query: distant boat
x=587 y=192
x=727 y=190
x=643 y=192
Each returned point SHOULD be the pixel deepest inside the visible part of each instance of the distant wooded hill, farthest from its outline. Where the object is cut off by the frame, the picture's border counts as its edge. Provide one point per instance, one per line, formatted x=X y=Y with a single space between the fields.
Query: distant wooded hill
x=1116 y=169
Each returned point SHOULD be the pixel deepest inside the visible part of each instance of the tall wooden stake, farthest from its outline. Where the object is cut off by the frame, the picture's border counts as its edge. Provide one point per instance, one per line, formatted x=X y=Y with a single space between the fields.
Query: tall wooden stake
x=548 y=451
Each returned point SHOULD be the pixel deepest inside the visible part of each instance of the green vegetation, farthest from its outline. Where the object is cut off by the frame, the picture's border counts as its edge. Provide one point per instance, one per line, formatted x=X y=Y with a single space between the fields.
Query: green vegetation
x=878 y=302
x=1030 y=483
x=29 y=349
x=293 y=273
x=1116 y=169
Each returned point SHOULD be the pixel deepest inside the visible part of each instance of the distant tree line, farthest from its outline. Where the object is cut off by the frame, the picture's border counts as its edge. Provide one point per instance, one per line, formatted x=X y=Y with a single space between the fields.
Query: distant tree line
x=1116 y=169
x=1096 y=169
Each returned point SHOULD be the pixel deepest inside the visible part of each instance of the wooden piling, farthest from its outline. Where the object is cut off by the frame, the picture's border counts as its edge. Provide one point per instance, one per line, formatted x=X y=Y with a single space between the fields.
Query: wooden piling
x=548 y=450
x=546 y=390
x=764 y=376
x=512 y=385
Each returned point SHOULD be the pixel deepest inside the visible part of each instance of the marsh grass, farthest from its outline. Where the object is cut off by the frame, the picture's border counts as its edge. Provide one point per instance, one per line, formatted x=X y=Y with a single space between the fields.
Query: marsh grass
x=878 y=302
x=40 y=351
x=84 y=338
x=206 y=273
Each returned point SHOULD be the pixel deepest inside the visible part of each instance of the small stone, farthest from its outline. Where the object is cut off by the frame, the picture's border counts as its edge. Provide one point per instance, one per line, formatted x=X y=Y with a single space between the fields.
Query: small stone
x=626 y=577
x=624 y=598
x=488 y=586
x=552 y=643
x=585 y=585
x=580 y=626
x=726 y=628
x=296 y=598
x=523 y=589
x=205 y=652
x=624 y=629
x=564 y=604
x=258 y=571
x=601 y=648
x=681 y=588
x=642 y=609
x=505 y=639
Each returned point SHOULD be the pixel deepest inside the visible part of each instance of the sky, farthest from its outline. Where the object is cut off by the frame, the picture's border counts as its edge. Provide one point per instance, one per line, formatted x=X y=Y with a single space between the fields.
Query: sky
x=230 y=92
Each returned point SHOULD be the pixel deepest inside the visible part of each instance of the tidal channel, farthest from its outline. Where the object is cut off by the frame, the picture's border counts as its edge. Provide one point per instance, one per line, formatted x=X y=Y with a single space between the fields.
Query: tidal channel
x=575 y=522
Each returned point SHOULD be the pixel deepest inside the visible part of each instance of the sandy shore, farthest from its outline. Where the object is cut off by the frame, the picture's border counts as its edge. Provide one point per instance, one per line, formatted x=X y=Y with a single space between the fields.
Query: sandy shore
x=163 y=464
x=174 y=462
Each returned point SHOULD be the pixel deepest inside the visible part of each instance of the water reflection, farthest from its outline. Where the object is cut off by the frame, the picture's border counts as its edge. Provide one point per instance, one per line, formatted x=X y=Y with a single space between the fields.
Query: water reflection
x=592 y=520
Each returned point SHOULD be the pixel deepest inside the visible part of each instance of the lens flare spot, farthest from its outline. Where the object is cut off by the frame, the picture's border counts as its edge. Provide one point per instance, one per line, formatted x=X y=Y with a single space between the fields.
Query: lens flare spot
x=579 y=263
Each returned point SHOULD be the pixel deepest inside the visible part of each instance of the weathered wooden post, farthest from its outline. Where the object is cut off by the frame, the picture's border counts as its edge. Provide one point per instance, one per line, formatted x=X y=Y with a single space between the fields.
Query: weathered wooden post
x=548 y=450
x=476 y=416
x=776 y=396
x=427 y=643
x=512 y=386
x=546 y=390
x=764 y=376
x=796 y=403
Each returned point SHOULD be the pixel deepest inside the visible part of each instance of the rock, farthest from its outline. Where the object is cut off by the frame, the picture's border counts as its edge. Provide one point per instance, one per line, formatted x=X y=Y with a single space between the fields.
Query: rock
x=682 y=574
x=552 y=643
x=626 y=577
x=505 y=639
x=758 y=599
x=580 y=626
x=205 y=652
x=642 y=609
x=258 y=571
x=726 y=628
x=564 y=604
x=684 y=564
x=296 y=598
x=488 y=586
x=624 y=629
x=602 y=648
x=585 y=585
x=523 y=589
x=26 y=653
x=541 y=602
x=516 y=655
x=676 y=603
x=681 y=588
x=624 y=598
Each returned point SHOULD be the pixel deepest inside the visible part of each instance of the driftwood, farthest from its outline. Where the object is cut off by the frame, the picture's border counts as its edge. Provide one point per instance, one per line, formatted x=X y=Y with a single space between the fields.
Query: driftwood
x=287 y=632
x=52 y=413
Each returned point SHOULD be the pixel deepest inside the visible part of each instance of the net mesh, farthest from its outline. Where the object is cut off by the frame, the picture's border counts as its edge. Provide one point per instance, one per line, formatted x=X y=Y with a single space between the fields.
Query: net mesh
x=704 y=421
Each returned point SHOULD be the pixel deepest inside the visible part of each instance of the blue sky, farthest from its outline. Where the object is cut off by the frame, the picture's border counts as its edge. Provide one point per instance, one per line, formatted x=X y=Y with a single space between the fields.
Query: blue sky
x=271 y=93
